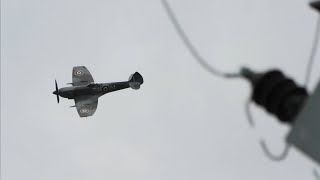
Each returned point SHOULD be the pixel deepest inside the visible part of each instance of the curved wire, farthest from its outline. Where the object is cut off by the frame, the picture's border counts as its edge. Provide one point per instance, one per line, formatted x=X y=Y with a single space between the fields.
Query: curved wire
x=263 y=145
x=312 y=53
x=192 y=48
x=279 y=157
x=248 y=113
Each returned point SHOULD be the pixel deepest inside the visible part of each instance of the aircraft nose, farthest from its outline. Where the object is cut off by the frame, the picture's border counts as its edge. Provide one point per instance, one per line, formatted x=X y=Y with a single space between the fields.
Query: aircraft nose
x=55 y=92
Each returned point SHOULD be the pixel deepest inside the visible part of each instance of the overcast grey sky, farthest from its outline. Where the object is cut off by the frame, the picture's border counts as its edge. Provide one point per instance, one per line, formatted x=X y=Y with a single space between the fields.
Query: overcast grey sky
x=182 y=124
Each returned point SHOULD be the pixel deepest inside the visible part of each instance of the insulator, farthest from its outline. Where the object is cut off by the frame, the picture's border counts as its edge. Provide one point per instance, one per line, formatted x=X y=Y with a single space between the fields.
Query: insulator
x=278 y=94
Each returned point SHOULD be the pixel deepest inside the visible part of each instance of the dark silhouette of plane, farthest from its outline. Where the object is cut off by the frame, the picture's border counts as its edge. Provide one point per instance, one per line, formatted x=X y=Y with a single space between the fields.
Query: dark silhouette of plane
x=86 y=93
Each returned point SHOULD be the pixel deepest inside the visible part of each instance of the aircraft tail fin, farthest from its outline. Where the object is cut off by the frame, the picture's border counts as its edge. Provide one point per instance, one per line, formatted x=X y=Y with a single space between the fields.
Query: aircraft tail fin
x=135 y=80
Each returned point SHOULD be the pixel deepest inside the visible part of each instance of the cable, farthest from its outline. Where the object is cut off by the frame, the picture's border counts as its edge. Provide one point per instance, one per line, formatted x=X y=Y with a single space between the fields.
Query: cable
x=280 y=157
x=248 y=112
x=191 y=47
x=312 y=53
x=262 y=142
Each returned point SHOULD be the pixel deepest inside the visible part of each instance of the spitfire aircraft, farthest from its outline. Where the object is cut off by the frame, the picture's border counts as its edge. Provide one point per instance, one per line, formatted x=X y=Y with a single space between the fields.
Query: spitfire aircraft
x=86 y=93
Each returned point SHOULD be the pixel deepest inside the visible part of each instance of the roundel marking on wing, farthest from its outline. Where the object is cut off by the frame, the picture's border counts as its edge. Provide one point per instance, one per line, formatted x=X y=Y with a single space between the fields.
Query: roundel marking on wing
x=105 y=88
x=78 y=72
x=84 y=110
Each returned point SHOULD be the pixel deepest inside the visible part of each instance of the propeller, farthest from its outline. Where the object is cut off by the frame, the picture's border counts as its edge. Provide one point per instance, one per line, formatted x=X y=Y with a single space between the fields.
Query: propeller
x=56 y=92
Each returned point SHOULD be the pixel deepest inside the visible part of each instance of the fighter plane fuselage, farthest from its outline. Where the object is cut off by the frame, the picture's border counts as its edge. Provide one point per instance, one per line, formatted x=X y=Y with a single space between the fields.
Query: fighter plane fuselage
x=94 y=89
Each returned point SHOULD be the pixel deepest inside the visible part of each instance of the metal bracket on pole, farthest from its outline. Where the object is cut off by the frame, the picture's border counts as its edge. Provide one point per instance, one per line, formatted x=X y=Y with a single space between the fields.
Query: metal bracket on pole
x=305 y=133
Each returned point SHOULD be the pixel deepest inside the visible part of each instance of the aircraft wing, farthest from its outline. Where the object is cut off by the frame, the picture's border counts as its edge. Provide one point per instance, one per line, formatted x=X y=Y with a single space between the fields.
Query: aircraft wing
x=86 y=105
x=81 y=76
